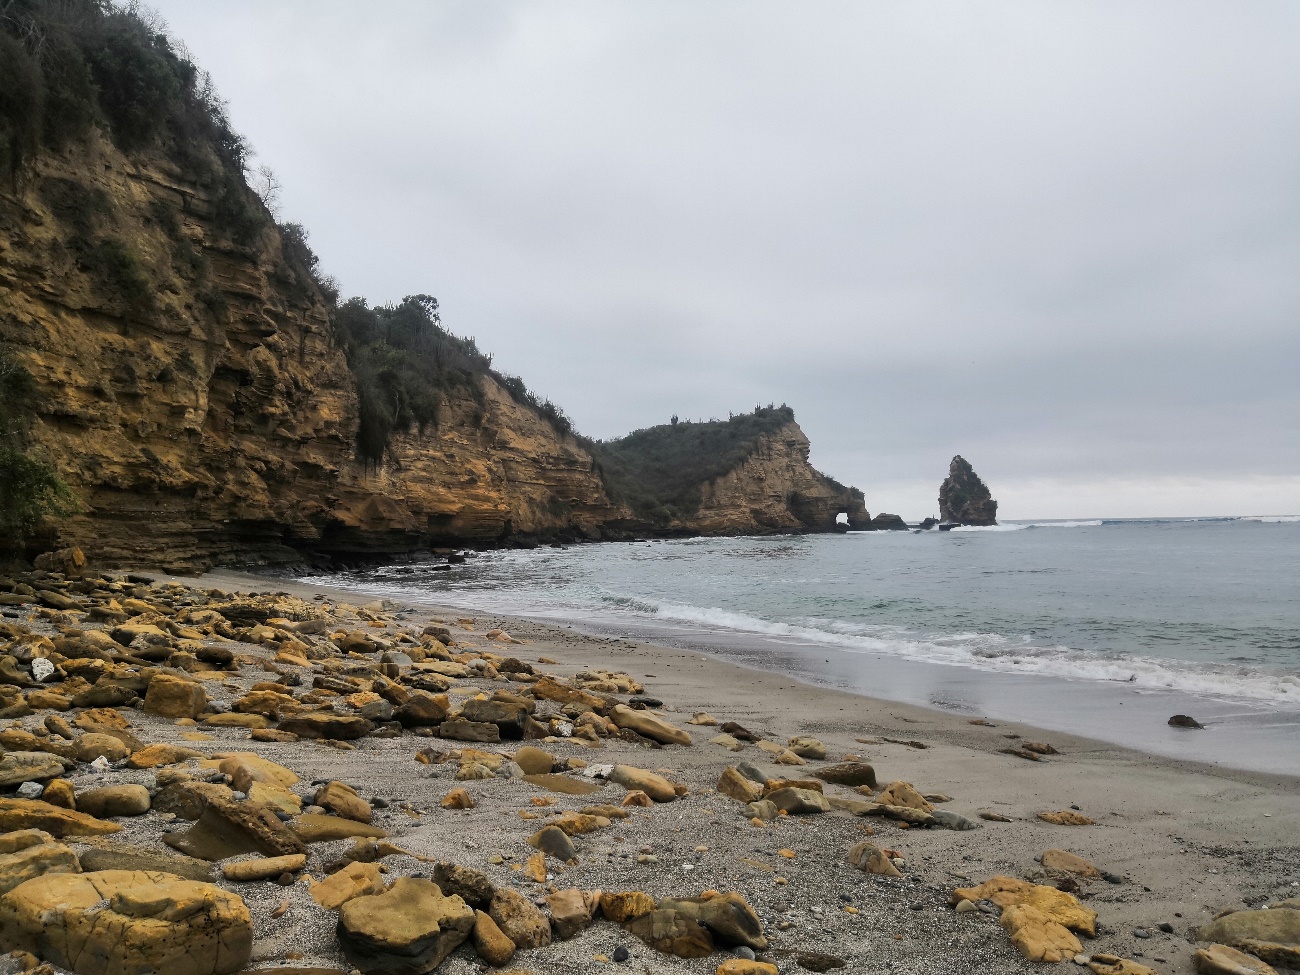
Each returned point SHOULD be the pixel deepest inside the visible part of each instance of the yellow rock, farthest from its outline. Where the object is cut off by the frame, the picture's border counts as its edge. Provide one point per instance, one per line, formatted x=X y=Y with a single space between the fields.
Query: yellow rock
x=1066 y=817
x=1038 y=937
x=115 y=922
x=1114 y=965
x=354 y=880
x=625 y=905
x=742 y=966
x=1057 y=905
x=457 y=799
x=1068 y=862
x=153 y=756
x=18 y=814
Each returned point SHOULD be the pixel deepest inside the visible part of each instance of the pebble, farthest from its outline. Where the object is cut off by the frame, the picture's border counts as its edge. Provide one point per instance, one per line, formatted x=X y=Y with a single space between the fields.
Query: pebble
x=1141 y=933
x=746 y=953
x=620 y=954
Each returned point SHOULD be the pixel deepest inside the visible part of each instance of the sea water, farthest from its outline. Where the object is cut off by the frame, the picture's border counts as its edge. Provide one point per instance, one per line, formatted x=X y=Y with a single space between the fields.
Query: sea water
x=1101 y=628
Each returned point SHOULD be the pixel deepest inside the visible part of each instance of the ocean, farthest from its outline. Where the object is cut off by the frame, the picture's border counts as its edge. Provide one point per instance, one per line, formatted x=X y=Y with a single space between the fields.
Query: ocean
x=1098 y=628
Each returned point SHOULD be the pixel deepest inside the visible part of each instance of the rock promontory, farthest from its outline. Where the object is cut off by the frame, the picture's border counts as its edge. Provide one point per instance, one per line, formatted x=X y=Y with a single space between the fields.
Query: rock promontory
x=964 y=499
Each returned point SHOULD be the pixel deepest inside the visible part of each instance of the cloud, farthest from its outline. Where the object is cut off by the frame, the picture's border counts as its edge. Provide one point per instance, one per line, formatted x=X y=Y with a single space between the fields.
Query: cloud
x=1059 y=239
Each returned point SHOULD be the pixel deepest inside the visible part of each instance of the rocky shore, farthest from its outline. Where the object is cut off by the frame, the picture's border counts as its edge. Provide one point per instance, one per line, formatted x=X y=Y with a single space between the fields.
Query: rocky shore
x=241 y=774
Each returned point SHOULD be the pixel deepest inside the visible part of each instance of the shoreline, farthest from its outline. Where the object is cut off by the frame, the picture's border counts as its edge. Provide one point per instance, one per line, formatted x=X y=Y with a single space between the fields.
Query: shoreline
x=1241 y=733
x=611 y=651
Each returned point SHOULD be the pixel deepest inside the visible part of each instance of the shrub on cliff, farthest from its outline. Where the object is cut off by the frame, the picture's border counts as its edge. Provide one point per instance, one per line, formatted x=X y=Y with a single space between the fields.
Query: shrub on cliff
x=406 y=363
x=67 y=66
x=660 y=470
x=30 y=489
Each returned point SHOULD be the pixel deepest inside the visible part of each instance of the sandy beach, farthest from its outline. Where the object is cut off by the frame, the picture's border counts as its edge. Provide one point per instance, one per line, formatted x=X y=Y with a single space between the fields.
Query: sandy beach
x=1190 y=840
x=1174 y=843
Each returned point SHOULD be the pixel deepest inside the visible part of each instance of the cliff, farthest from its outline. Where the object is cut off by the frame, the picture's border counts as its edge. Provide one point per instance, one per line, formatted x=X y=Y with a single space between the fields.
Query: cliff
x=964 y=499
x=207 y=399
x=191 y=392
x=775 y=490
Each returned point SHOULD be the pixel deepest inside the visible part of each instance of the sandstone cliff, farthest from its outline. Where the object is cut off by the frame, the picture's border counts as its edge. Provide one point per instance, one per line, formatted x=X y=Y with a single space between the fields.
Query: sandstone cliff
x=775 y=490
x=192 y=395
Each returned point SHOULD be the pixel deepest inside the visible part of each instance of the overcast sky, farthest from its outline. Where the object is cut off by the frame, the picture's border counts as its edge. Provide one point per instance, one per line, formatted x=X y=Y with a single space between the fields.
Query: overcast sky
x=1062 y=239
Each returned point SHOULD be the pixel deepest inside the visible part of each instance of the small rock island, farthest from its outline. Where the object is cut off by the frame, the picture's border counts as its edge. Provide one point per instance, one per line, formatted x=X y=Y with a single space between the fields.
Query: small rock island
x=964 y=499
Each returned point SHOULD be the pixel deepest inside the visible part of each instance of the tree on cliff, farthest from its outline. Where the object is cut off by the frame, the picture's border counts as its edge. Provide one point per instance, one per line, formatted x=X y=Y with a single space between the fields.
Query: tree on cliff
x=30 y=489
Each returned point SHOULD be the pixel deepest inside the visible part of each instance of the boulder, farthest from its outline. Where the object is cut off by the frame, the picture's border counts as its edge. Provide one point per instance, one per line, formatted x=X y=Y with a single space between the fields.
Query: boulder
x=519 y=919
x=673 y=933
x=115 y=800
x=461 y=729
x=554 y=842
x=92 y=745
x=620 y=906
x=798 y=802
x=1038 y=936
x=59 y=822
x=510 y=718
x=570 y=912
x=655 y=786
x=534 y=761
x=246 y=768
x=647 y=724
x=112 y=856
x=869 y=858
x=732 y=921
x=343 y=800
x=60 y=792
x=1222 y=960
x=19 y=767
x=20 y=864
x=471 y=886
x=357 y=879
x=128 y=922
x=228 y=828
x=263 y=868
x=422 y=710
x=175 y=697
x=852 y=774
x=733 y=784
x=407 y=930
x=1068 y=863
x=1057 y=905
x=490 y=941
x=333 y=727
x=1273 y=935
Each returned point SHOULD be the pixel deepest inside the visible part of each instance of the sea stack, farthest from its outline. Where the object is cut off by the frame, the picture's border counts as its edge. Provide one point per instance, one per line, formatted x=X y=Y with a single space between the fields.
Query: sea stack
x=964 y=499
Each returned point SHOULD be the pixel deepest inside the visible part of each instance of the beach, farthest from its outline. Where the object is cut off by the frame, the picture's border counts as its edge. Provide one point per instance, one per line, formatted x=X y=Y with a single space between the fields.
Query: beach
x=1190 y=839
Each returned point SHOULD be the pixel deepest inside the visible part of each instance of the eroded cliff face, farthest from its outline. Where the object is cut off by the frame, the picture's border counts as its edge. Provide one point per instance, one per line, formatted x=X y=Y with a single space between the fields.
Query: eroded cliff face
x=776 y=490
x=191 y=394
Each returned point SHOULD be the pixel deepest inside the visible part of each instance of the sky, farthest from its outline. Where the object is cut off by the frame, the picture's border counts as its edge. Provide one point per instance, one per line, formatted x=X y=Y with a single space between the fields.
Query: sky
x=1060 y=239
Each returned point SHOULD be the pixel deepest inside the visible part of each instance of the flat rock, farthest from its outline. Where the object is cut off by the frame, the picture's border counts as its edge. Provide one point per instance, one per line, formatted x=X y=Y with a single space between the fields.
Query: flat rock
x=798 y=802
x=1069 y=863
x=114 y=800
x=125 y=921
x=154 y=756
x=672 y=933
x=1057 y=905
x=36 y=860
x=852 y=774
x=18 y=767
x=649 y=725
x=652 y=784
x=334 y=727
x=111 y=856
x=408 y=929
x=461 y=729
x=1223 y=960
x=18 y=814
x=263 y=868
x=318 y=828
x=228 y=828
x=1066 y=817
x=1037 y=935
x=357 y=879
